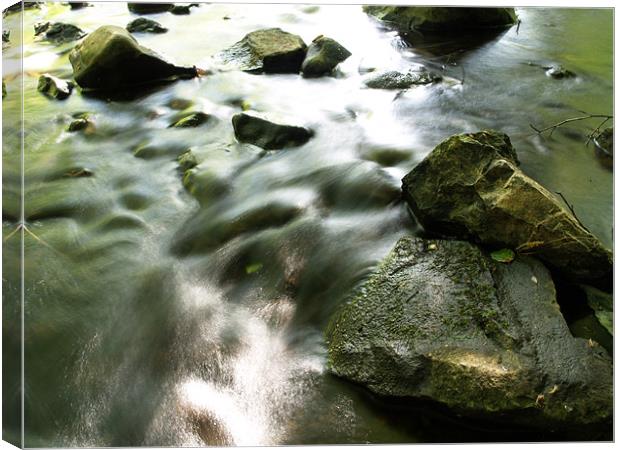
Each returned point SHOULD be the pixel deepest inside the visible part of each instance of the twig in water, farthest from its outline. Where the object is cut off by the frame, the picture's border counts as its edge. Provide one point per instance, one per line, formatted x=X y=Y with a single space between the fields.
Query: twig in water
x=596 y=131
x=518 y=25
x=572 y=119
x=572 y=210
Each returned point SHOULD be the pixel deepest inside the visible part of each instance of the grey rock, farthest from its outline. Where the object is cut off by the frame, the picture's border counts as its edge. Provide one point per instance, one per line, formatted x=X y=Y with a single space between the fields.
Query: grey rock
x=270 y=50
x=323 y=55
x=54 y=87
x=443 y=19
x=58 y=32
x=144 y=25
x=268 y=135
x=401 y=80
x=440 y=320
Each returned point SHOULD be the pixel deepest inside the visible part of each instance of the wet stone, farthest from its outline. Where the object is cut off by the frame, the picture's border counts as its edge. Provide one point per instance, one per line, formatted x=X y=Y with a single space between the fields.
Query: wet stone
x=559 y=72
x=191 y=121
x=268 y=135
x=149 y=8
x=144 y=25
x=58 y=32
x=323 y=55
x=401 y=80
x=54 y=87
x=270 y=50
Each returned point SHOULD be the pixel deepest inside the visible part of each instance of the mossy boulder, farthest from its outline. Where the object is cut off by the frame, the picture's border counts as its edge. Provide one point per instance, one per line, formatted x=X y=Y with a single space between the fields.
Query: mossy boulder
x=270 y=50
x=54 y=87
x=440 y=320
x=470 y=187
x=144 y=25
x=443 y=19
x=149 y=8
x=111 y=59
x=322 y=57
x=394 y=79
x=58 y=32
x=268 y=135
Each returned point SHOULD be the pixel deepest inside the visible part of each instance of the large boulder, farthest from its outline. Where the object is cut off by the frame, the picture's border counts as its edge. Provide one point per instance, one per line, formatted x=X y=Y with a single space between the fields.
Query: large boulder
x=270 y=50
x=443 y=19
x=441 y=320
x=470 y=187
x=323 y=55
x=268 y=135
x=110 y=58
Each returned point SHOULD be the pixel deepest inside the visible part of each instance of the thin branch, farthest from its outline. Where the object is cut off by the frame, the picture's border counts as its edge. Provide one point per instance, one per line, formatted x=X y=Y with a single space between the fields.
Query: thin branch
x=572 y=119
x=572 y=210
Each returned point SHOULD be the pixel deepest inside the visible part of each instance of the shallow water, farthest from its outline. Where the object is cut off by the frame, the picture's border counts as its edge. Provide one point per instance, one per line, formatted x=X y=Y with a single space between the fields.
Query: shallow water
x=135 y=337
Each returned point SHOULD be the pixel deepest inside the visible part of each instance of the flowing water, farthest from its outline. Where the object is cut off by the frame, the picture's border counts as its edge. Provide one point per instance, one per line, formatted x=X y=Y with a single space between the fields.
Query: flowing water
x=134 y=338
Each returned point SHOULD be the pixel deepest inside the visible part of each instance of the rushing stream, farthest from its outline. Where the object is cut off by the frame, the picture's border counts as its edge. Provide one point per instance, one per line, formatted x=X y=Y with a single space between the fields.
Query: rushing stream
x=130 y=341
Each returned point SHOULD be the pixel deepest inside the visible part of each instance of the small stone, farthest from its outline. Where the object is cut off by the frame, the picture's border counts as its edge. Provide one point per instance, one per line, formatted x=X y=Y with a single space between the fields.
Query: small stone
x=401 y=80
x=144 y=25
x=182 y=9
x=323 y=55
x=191 y=121
x=79 y=125
x=78 y=5
x=58 y=32
x=559 y=72
x=5 y=35
x=268 y=135
x=54 y=87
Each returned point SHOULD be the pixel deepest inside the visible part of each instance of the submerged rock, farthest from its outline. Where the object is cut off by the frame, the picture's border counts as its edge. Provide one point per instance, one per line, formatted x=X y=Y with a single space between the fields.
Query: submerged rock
x=182 y=9
x=80 y=124
x=443 y=19
x=144 y=25
x=110 y=58
x=401 y=80
x=323 y=55
x=559 y=72
x=268 y=135
x=3 y=89
x=149 y=8
x=54 y=87
x=271 y=51
x=187 y=161
x=5 y=35
x=192 y=120
x=605 y=141
x=78 y=5
x=440 y=320
x=58 y=32
x=470 y=187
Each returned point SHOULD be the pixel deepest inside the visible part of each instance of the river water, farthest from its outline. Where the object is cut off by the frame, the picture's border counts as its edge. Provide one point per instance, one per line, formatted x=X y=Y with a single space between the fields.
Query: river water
x=134 y=338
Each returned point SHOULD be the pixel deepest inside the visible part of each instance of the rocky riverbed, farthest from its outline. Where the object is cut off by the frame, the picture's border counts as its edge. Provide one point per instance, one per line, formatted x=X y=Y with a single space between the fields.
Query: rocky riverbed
x=250 y=225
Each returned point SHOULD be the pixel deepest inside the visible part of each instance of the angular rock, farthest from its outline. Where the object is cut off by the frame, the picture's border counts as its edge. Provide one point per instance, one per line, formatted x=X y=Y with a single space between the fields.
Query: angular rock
x=191 y=121
x=58 y=32
x=268 y=135
x=323 y=55
x=149 y=8
x=144 y=25
x=270 y=50
x=110 y=58
x=401 y=80
x=470 y=187
x=440 y=320
x=54 y=87
x=443 y=19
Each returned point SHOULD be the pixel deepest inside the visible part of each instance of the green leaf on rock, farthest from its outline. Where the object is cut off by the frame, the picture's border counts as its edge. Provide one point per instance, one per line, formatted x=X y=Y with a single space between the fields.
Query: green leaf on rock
x=252 y=268
x=504 y=255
